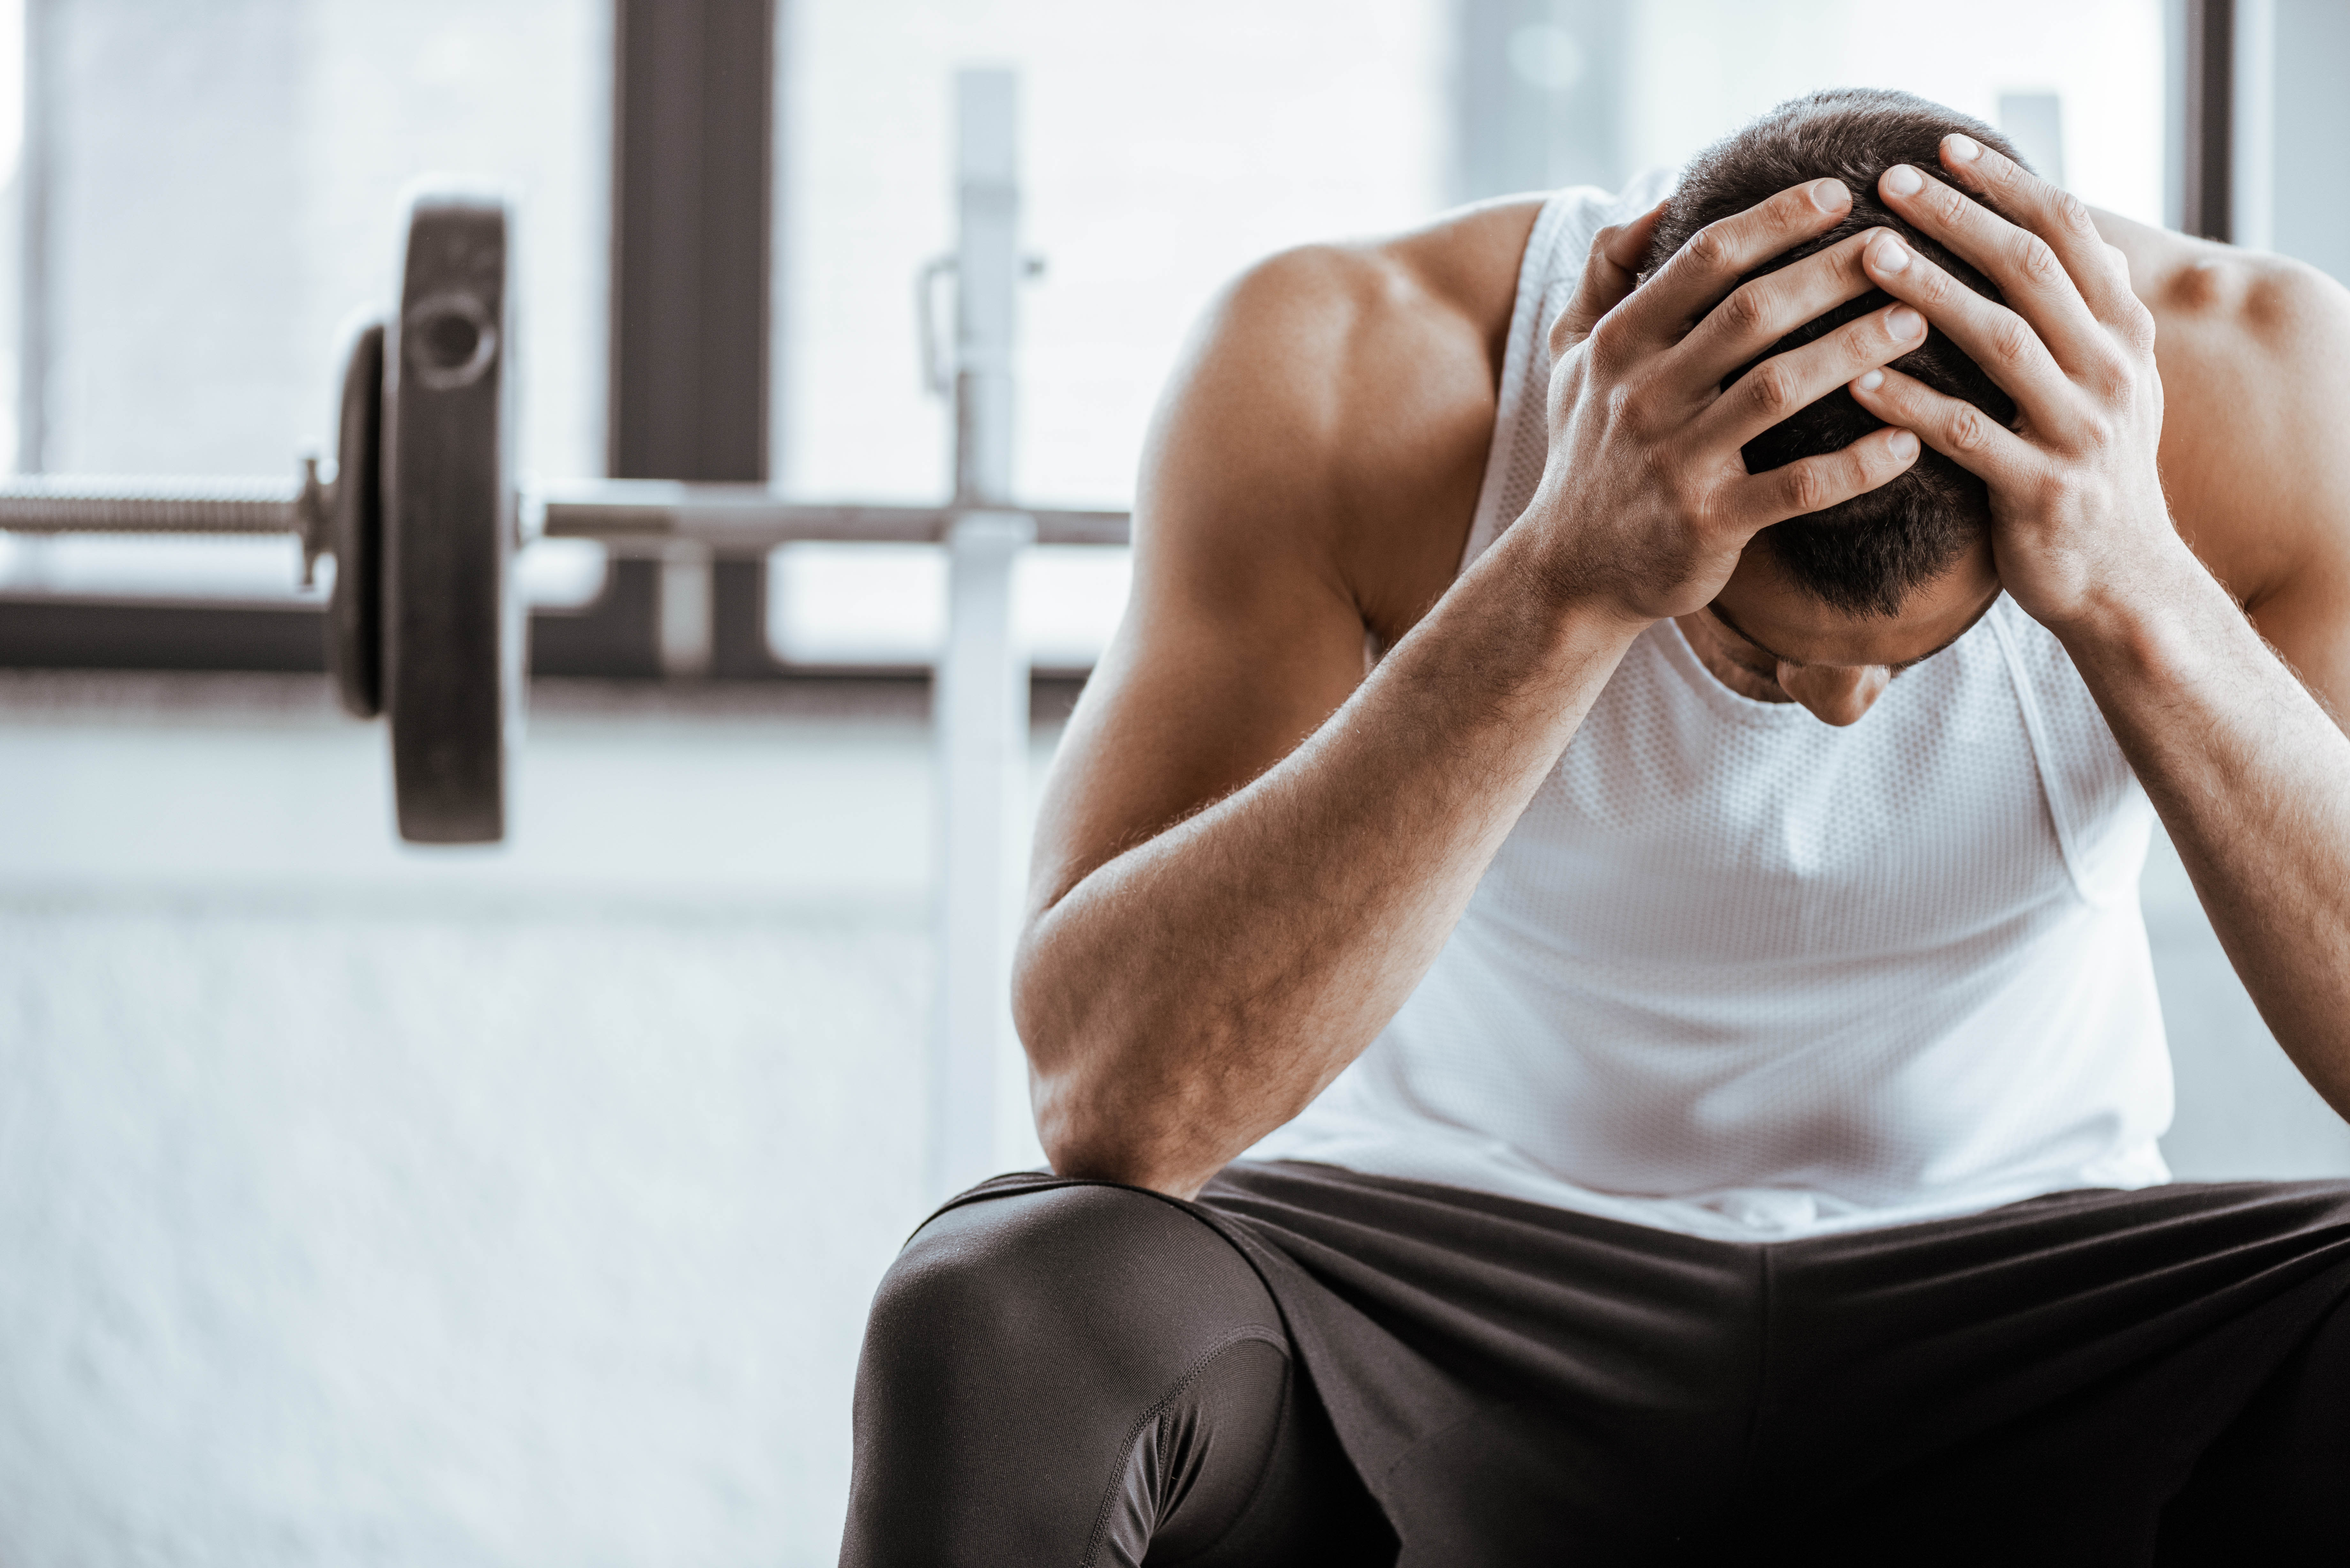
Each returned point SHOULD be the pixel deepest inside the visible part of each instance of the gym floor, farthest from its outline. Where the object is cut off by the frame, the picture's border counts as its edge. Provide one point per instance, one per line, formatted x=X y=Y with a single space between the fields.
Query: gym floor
x=520 y=1206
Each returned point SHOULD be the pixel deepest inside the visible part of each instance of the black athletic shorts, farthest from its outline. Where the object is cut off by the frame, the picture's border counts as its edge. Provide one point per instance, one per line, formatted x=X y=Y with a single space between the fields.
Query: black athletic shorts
x=1401 y=1372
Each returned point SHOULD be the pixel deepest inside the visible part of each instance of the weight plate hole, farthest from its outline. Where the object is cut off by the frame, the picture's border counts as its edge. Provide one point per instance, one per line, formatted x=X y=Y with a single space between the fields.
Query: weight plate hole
x=450 y=340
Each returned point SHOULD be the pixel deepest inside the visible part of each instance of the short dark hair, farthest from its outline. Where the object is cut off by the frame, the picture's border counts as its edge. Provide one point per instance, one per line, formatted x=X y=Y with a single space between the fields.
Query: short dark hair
x=1863 y=555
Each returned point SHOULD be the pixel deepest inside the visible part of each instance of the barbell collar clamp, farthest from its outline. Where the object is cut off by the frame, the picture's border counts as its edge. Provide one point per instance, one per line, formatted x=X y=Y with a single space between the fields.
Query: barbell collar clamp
x=314 y=511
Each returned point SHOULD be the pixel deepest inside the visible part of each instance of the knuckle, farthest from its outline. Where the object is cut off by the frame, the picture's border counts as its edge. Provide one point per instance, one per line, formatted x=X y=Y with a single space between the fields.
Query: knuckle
x=2011 y=339
x=2071 y=215
x=1632 y=409
x=2137 y=326
x=1627 y=409
x=1708 y=248
x=1610 y=342
x=1771 y=388
x=1744 y=311
x=1805 y=487
x=1968 y=429
x=2111 y=376
x=2036 y=260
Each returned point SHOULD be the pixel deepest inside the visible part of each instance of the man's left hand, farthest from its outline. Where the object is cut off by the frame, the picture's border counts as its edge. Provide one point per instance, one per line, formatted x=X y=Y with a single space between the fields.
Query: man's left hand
x=2079 y=524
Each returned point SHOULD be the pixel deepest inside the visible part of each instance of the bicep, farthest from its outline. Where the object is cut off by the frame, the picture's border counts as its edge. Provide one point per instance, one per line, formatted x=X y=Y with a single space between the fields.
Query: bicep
x=1239 y=637
x=1190 y=703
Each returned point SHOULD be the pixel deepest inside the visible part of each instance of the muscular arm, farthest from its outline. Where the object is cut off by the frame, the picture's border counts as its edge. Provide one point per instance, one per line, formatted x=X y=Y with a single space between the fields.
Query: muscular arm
x=1250 y=851
x=2246 y=383
x=2252 y=777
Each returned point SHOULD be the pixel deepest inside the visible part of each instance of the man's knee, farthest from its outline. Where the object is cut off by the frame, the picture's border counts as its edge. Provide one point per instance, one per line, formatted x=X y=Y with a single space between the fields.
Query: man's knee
x=1105 y=1277
x=1046 y=1366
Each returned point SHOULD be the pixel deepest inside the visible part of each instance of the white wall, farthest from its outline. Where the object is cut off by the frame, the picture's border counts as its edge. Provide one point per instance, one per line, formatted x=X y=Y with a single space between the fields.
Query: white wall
x=513 y=1206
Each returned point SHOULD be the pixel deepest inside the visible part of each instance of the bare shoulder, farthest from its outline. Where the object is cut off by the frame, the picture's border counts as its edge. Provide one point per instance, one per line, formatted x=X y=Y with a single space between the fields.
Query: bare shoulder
x=2254 y=351
x=1345 y=393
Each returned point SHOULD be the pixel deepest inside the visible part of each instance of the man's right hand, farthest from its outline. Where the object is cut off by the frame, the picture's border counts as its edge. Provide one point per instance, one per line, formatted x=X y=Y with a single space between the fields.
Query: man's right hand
x=1645 y=503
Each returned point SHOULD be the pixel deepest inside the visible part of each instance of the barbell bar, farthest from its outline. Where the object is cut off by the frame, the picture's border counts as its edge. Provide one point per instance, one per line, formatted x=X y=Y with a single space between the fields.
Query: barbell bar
x=626 y=515
x=422 y=517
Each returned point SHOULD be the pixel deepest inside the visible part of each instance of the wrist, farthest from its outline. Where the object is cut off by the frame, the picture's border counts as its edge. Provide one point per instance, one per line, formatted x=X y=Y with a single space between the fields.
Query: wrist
x=1575 y=602
x=2146 y=617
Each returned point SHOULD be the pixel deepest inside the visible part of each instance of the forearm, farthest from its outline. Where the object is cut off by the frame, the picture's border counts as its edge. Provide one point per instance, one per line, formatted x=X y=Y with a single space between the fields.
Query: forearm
x=1198 y=991
x=2252 y=780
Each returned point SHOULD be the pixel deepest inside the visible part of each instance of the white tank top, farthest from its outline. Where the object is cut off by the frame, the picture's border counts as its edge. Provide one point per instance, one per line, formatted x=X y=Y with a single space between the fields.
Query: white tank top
x=1739 y=973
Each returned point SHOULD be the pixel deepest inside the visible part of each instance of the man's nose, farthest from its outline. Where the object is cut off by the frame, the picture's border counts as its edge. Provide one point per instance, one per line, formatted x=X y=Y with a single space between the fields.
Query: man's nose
x=1835 y=693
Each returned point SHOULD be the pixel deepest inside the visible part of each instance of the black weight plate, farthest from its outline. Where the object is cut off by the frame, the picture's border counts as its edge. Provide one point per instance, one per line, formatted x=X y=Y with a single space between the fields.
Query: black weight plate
x=355 y=531
x=453 y=641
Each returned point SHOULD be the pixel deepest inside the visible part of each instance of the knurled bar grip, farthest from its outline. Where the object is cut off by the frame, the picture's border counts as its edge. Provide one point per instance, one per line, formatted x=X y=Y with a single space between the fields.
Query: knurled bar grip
x=101 y=504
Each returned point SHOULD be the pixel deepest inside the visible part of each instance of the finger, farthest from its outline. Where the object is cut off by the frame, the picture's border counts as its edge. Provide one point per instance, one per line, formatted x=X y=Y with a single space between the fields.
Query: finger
x=1815 y=483
x=1762 y=310
x=1710 y=265
x=1995 y=337
x=2053 y=213
x=2026 y=268
x=1786 y=382
x=1958 y=430
x=1608 y=275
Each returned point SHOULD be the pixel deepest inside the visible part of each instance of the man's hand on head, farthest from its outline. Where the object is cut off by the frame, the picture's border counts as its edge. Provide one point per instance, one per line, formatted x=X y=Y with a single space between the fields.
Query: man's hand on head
x=1646 y=503
x=2079 y=522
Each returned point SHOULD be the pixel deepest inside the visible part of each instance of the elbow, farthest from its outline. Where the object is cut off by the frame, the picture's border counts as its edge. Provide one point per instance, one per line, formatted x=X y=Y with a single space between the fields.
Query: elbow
x=1086 y=1131
x=1096 y=1117
x=1097 y=1148
x=1074 y=1142
x=1111 y=1101
x=1069 y=1068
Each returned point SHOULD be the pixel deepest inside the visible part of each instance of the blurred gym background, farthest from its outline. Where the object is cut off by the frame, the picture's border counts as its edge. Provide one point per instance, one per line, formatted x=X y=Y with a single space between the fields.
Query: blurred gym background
x=521 y=1206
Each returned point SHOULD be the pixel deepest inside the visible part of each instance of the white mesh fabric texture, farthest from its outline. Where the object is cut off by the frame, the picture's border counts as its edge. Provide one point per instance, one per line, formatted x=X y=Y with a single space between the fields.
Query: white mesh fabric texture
x=1737 y=972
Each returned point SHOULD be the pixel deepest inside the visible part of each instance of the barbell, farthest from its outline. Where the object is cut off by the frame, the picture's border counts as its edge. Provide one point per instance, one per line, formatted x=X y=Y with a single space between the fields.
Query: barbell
x=424 y=625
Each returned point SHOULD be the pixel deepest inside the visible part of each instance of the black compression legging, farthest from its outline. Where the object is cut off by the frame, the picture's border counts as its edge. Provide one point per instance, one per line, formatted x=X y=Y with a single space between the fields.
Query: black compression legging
x=1091 y=1375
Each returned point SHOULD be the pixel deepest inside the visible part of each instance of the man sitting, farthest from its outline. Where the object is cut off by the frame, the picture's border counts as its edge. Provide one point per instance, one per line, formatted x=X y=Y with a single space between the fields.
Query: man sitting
x=1585 y=985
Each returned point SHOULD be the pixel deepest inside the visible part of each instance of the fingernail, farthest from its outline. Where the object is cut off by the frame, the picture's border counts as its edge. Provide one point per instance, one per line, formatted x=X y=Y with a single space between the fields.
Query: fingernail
x=1902 y=444
x=1830 y=196
x=1962 y=149
x=1870 y=380
x=1903 y=181
x=1904 y=322
x=1888 y=254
